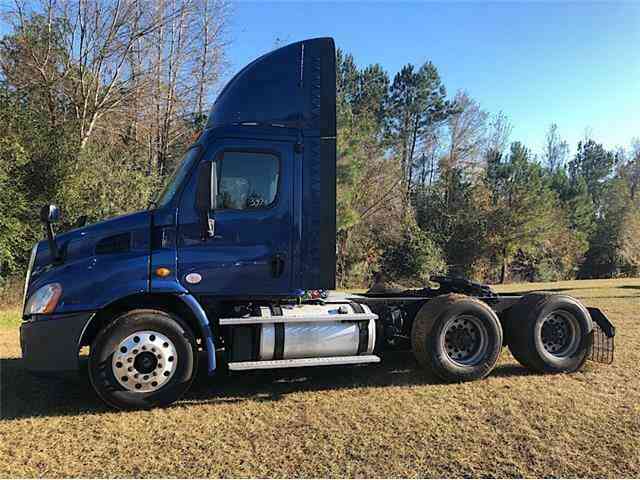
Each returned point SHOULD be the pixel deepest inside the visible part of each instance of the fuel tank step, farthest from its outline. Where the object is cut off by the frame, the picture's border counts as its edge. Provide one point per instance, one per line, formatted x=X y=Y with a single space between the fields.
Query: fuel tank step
x=304 y=362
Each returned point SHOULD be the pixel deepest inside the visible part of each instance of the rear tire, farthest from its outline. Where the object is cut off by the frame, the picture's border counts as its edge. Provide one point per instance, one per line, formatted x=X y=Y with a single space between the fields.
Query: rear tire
x=456 y=338
x=549 y=333
x=143 y=359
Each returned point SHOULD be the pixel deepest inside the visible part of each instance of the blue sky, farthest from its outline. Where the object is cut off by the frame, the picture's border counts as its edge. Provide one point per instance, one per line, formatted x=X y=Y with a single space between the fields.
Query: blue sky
x=576 y=64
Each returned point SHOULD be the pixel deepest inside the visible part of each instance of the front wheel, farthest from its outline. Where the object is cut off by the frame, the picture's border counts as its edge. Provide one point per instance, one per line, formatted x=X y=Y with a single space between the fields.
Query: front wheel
x=457 y=338
x=143 y=359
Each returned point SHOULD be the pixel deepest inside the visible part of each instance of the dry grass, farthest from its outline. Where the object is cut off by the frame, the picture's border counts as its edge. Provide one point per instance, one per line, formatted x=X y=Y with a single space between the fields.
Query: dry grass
x=9 y=319
x=11 y=292
x=375 y=421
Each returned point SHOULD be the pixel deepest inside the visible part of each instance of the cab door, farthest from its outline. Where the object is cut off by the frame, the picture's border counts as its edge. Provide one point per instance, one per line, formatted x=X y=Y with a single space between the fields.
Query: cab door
x=249 y=251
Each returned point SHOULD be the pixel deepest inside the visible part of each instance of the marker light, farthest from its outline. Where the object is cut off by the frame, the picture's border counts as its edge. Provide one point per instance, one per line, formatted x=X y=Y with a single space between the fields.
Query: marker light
x=45 y=300
x=163 y=272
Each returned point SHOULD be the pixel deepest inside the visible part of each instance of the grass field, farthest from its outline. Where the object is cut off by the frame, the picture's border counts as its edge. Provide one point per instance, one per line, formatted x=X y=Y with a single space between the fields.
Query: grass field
x=388 y=420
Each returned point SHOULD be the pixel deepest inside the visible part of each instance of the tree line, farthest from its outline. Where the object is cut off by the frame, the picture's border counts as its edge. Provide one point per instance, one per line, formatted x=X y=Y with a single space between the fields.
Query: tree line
x=430 y=183
x=100 y=98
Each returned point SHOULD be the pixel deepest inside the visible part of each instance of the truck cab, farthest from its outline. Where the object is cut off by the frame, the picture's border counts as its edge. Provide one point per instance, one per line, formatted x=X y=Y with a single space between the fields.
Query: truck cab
x=248 y=215
x=216 y=271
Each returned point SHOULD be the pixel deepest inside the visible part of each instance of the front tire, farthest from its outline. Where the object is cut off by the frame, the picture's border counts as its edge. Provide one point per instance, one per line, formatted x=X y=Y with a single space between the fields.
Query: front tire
x=143 y=359
x=456 y=338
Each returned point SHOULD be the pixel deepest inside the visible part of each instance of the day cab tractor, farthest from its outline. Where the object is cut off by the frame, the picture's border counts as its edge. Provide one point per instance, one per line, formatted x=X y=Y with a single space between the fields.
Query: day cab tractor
x=215 y=274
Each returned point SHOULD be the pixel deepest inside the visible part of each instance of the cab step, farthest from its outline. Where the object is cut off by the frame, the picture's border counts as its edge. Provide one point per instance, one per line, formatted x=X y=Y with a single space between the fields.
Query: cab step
x=304 y=362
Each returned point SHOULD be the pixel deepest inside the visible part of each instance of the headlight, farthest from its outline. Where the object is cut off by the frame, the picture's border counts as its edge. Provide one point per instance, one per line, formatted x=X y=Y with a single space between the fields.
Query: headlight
x=32 y=261
x=44 y=300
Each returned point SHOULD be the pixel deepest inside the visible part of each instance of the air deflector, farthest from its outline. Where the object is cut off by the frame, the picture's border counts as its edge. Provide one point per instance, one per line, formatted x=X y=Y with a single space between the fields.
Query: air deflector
x=293 y=89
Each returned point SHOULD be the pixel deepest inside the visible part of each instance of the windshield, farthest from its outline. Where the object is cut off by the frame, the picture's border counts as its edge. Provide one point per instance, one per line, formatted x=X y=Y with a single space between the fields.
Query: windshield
x=178 y=176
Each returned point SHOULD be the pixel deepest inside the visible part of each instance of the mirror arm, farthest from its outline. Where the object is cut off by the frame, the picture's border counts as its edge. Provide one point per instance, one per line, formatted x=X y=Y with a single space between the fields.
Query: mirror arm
x=53 y=246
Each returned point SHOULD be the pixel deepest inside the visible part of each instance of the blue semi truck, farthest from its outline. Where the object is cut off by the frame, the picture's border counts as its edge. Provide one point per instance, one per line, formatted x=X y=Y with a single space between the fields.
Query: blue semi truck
x=213 y=274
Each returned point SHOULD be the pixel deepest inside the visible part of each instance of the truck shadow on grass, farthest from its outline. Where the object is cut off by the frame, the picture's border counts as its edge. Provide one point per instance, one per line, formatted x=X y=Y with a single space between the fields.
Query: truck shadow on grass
x=396 y=369
x=23 y=395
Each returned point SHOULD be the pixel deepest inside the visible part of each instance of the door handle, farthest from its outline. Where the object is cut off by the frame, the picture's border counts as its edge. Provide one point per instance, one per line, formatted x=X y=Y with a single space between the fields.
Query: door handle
x=277 y=265
x=210 y=232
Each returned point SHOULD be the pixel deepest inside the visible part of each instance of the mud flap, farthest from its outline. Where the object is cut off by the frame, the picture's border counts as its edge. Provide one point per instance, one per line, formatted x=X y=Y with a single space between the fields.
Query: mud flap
x=603 y=346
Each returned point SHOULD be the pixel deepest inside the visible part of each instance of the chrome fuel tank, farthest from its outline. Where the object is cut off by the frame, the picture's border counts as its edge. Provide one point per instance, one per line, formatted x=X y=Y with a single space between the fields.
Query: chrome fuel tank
x=299 y=339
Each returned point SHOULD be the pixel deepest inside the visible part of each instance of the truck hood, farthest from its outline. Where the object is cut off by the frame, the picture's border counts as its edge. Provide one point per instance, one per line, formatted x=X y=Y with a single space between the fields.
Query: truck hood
x=117 y=235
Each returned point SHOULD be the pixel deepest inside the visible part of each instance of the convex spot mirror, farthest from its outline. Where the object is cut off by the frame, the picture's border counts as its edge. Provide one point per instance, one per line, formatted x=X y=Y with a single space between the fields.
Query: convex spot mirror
x=49 y=214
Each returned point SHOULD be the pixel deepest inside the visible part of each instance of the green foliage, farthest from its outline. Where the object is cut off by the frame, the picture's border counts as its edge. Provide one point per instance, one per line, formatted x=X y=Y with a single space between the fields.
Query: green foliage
x=595 y=165
x=372 y=95
x=14 y=238
x=41 y=159
x=10 y=318
x=574 y=194
x=525 y=218
x=417 y=105
x=104 y=182
x=474 y=210
x=412 y=257
x=449 y=211
x=613 y=248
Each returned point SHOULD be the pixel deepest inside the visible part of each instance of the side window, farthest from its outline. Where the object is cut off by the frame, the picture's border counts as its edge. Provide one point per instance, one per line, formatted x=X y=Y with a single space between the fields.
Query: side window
x=247 y=180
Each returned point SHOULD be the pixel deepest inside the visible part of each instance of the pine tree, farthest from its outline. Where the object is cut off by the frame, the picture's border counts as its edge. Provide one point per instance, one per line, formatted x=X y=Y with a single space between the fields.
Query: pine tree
x=613 y=247
x=417 y=101
x=595 y=165
x=523 y=206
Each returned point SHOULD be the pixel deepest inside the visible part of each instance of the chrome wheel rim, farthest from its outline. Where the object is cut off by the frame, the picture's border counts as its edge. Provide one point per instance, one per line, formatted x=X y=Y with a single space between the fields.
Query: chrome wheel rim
x=560 y=334
x=465 y=340
x=144 y=361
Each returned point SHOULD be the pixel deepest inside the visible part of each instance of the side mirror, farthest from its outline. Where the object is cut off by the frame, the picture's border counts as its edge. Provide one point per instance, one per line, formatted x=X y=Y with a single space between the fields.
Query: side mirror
x=49 y=214
x=207 y=197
